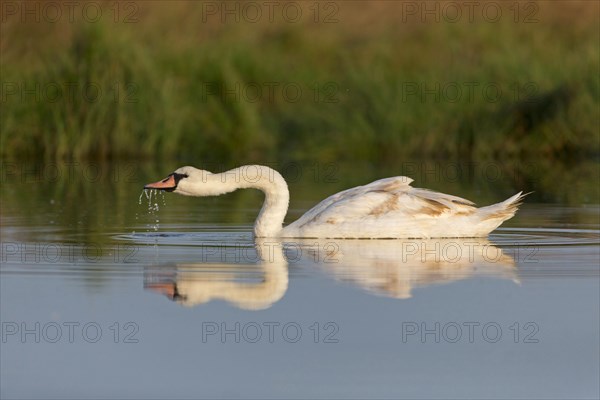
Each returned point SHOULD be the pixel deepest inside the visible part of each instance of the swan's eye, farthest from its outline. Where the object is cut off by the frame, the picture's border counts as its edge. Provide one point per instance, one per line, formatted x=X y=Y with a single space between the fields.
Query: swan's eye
x=178 y=177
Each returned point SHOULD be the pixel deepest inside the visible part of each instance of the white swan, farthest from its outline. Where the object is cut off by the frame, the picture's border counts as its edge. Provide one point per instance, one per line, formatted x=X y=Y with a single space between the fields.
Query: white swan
x=386 y=208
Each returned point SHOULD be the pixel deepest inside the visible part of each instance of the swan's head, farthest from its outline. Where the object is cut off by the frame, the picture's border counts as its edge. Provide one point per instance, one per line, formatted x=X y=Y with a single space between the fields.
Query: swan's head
x=188 y=181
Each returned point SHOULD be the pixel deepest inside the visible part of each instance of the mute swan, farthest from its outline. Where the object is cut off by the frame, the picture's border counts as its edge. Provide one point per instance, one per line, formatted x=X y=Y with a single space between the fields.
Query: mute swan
x=386 y=208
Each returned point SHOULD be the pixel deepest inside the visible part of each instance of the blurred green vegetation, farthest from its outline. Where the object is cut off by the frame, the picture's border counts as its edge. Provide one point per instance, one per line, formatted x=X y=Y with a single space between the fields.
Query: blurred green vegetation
x=375 y=84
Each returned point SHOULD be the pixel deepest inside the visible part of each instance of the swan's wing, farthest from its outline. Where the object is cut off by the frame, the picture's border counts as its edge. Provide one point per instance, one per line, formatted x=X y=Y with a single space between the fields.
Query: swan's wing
x=381 y=185
x=390 y=199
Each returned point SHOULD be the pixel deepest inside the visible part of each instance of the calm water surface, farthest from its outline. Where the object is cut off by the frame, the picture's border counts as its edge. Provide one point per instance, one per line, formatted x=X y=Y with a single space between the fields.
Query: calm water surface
x=102 y=296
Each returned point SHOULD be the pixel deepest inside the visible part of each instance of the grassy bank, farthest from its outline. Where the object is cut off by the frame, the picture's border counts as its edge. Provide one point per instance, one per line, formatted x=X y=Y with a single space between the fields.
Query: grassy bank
x=367 y=81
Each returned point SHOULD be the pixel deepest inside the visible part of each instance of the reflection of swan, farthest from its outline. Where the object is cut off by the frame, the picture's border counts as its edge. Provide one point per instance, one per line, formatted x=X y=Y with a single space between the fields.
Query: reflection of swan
x=394 y=267
x=199 y=283
x=387 y=208
x=386 y=267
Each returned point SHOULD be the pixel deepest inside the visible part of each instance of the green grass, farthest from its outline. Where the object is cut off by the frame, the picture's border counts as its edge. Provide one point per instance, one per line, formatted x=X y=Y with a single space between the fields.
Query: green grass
x=353 y=75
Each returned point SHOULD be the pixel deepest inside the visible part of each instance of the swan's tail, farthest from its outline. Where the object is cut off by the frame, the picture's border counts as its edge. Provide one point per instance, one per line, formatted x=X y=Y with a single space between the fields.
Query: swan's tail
x=502 y=211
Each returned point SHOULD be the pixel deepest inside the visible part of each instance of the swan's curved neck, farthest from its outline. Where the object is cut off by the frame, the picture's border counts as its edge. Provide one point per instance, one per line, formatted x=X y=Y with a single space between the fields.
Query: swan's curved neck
x=277 y=197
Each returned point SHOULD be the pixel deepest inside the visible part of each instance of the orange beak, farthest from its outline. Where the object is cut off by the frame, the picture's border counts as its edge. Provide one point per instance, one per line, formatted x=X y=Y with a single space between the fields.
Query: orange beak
x=168 y=184
x=167 y=289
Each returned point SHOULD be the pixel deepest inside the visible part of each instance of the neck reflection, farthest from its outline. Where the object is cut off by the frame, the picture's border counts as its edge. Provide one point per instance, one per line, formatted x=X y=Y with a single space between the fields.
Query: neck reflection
x=246 y=286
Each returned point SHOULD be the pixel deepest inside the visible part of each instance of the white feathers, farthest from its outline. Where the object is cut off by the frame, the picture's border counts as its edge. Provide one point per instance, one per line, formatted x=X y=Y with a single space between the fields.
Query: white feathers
x=391 y=208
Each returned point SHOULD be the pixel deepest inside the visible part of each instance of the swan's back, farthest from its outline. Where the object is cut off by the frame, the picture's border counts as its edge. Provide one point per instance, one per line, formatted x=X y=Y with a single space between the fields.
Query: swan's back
x=391 y=208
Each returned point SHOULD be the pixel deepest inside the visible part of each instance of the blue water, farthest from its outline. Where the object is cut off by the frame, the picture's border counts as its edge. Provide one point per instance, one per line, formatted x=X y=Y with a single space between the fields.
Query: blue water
x=128 y=307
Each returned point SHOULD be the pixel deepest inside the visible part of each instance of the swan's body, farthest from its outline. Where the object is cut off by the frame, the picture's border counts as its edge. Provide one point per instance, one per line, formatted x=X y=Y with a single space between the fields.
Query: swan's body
x=386 y=208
